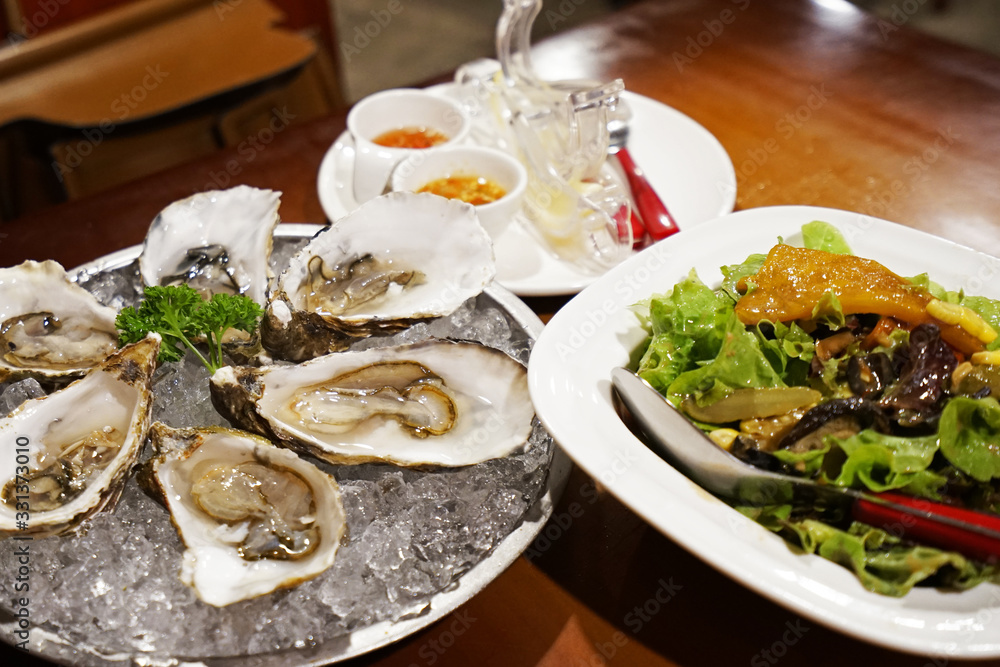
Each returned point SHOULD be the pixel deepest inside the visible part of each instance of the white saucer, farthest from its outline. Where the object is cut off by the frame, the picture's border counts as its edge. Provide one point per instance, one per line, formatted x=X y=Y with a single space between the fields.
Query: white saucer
x=686 y=164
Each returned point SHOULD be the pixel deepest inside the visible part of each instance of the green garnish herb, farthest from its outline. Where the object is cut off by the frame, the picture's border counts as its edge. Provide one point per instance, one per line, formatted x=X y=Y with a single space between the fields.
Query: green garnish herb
x=180 y=315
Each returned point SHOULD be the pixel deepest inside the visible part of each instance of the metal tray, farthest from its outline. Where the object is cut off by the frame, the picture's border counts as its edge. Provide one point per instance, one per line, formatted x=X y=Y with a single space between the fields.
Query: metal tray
x=62 y=651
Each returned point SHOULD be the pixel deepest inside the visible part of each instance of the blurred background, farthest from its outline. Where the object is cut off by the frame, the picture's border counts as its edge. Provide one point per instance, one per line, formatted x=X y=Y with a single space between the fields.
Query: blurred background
x=96 y=93
x=411 y=55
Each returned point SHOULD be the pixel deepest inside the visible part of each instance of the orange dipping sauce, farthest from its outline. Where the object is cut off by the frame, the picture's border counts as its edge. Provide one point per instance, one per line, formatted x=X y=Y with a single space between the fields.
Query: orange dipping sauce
x=473 y=190
x=410 y=137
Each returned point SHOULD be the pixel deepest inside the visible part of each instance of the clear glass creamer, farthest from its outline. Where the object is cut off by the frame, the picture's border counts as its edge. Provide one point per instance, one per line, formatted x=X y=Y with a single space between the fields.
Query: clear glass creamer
x=574 y=203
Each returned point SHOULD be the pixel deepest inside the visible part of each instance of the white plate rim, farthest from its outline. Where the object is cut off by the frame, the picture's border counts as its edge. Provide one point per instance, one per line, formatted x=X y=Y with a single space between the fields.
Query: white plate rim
x=570 y=366
x=555 y=277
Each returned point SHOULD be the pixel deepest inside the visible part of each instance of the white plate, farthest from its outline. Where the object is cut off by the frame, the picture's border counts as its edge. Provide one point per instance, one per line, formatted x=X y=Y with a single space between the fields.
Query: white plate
x=686 y=164
x=569 y=381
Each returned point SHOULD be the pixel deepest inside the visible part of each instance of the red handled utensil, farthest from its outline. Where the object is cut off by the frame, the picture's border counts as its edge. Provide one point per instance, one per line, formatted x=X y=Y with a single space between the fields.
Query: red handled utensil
x=971 y=533
x=974 y=534
x=655 y=217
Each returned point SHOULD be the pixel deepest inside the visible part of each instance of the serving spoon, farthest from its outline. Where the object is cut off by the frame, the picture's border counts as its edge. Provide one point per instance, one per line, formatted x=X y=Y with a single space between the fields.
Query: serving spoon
x=971 y=533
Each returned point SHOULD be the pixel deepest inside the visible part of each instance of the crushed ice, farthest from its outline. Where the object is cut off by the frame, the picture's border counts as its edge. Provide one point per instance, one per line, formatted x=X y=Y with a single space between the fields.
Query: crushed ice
x=411 y=534
x=14 y=393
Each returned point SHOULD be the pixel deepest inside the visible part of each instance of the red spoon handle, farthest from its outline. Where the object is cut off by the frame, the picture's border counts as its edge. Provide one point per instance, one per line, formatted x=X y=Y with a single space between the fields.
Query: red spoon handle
x=934 y=524
x=659 y=223
x=638 y=230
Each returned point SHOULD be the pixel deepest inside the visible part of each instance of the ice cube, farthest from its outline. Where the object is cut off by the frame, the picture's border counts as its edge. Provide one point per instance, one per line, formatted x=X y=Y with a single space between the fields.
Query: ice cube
x=13 y=394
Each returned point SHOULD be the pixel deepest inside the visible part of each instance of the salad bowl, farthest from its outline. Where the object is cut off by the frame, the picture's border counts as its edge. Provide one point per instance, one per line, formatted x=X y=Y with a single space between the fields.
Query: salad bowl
x=598 y=331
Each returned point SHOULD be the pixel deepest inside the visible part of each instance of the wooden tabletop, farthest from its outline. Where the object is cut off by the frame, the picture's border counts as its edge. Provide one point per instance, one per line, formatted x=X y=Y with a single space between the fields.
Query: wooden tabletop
x=816 y=103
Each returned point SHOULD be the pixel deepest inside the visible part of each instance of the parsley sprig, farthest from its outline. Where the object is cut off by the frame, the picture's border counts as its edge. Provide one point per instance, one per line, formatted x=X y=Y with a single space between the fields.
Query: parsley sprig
x=180 y=315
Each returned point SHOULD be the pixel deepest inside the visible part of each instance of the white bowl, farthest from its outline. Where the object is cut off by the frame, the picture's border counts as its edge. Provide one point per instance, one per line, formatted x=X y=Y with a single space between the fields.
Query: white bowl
x=419 y=169
x=569 y=379
x=390 y=110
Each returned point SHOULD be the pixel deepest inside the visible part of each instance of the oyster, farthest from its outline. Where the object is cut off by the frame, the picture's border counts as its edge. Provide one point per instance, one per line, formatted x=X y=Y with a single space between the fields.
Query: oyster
x=436 y=403
x=69 y=453
x=396 y=260
x=50 y=327
x=216 y=242
x=253 y=517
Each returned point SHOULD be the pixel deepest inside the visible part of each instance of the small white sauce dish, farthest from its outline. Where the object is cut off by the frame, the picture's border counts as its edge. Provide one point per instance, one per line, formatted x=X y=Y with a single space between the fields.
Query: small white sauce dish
x=395 y=109
x=419 y=169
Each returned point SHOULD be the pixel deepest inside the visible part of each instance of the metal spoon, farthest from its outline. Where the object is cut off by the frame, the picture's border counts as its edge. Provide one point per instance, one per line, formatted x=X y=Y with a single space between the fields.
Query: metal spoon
x=652 y=211
x=974 y=534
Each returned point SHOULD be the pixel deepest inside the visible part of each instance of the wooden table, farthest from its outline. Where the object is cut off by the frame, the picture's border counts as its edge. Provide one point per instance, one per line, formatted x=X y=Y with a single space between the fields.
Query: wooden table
x=816 y=103
x=108 y=70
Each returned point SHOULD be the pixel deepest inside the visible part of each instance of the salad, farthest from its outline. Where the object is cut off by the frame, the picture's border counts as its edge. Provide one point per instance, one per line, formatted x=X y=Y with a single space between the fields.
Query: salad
x=812 y=361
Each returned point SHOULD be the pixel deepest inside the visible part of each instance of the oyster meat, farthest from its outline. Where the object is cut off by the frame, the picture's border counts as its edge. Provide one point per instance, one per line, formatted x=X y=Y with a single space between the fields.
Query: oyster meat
x=436 y=403
x=396 y=260
x=68 y=454
x=50 y=327
x=253 y=517
x=216 y=242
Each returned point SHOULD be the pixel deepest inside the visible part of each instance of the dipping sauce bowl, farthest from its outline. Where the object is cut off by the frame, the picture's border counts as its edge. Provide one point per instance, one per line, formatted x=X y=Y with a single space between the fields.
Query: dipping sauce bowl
x=462 y=167
x=411 y=121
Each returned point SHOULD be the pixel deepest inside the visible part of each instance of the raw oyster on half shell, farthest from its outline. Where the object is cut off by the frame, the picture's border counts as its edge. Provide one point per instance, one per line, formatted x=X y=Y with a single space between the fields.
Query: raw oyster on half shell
x=216 y=242
x=396 y=260
x=436 y=403
x=253 y=517
x=67 y=455
x=50 y=327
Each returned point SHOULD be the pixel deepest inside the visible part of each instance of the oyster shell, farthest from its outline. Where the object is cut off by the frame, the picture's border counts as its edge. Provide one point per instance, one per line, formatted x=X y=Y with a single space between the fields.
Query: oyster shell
x=217 y=242
x=50 y=327
x=69 y=453
x=437 y=403
x=396 y=260
x=253 y=517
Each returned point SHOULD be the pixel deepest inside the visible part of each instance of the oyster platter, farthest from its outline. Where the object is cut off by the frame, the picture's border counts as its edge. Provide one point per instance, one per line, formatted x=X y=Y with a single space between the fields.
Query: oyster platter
x=253 y=443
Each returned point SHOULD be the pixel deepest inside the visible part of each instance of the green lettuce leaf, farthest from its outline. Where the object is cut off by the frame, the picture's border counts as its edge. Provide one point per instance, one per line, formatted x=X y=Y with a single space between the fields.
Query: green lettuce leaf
x=687 y=325
x=883 y=462
x=967 y=430
x=808 y=463
x=772 y=517
x=989 y=310
x=818 y=235
x=788 y=348
x=732 y=274
x=739 y=364
x=924 y=281
x=828 y=311
x=881 y=562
